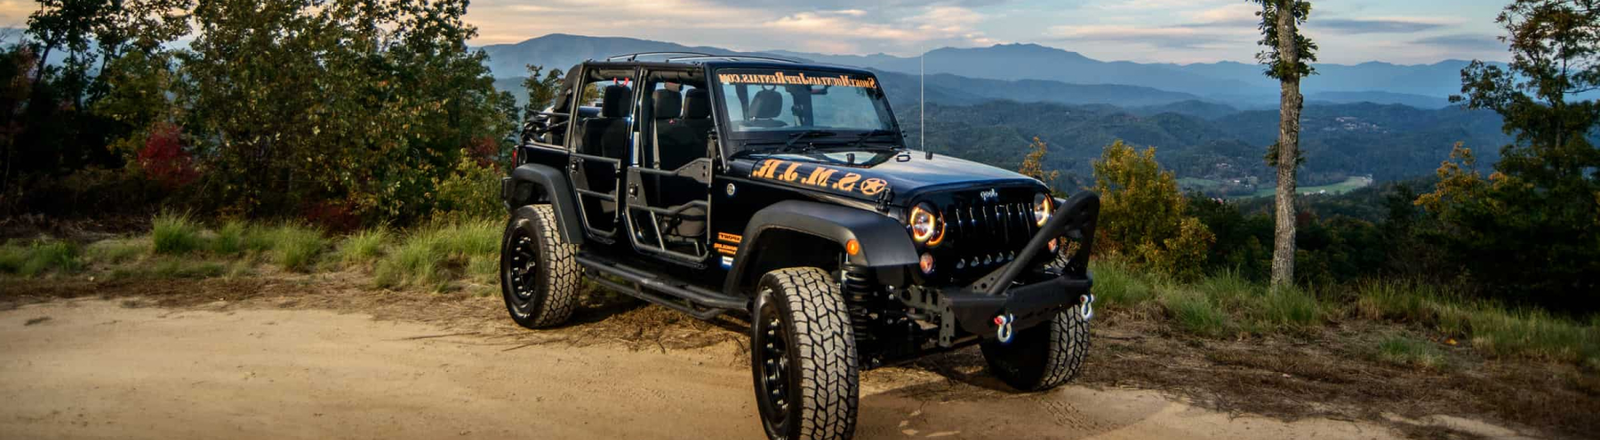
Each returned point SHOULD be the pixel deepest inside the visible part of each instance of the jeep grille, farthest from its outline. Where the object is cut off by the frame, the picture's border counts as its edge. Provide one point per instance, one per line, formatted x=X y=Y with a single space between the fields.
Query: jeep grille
x=982 y=234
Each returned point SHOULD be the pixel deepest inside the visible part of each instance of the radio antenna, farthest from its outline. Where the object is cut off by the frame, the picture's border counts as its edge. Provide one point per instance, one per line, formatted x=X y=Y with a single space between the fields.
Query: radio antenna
x=922 y=103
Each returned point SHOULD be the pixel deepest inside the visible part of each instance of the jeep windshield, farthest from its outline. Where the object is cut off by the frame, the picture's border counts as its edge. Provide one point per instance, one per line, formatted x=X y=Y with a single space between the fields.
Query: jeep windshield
x=775 y=108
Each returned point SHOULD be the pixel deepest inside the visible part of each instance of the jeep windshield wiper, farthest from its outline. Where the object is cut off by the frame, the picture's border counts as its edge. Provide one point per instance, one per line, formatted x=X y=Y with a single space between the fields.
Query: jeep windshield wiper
x=793 y=138
x=862 y=139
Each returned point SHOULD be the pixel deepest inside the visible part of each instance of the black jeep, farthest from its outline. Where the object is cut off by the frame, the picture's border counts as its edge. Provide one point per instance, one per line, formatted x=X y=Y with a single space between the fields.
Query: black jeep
x=785 y=192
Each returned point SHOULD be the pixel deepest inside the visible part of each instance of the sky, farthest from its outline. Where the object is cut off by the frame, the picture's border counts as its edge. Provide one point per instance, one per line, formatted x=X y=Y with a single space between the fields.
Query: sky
x=1169 y=31
x=1173 y=31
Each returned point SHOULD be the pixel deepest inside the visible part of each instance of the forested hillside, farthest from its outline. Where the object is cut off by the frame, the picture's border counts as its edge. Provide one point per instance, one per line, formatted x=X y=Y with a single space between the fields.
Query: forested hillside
x=1388 y=142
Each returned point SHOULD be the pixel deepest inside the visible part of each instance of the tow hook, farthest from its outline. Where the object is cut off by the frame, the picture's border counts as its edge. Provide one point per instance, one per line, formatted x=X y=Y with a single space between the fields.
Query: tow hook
x=1003 y=328
x=1086 y=306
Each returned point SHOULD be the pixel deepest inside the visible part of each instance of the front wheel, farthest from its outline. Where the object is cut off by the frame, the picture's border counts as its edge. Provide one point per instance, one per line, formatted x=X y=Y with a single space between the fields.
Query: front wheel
x=803 y=356
x=1042 y=357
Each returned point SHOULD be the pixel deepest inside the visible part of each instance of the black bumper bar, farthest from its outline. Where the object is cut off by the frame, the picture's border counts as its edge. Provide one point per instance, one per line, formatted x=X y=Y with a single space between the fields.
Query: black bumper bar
x=1023 y=291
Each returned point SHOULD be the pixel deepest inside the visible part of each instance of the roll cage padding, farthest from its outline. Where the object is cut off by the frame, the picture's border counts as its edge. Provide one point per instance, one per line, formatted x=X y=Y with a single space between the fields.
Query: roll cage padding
x=556 y=189
x=884 y=241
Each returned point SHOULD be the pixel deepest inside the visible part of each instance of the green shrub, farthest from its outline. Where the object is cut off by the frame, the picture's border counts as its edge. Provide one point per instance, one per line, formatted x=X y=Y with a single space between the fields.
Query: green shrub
x=471 y=192
x=363 y=247
x=1402 y=350
x=175 y=234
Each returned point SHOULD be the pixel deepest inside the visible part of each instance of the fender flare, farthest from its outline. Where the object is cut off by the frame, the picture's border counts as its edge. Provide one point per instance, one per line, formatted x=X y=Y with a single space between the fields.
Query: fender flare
x=884 y=242
x=529 y=181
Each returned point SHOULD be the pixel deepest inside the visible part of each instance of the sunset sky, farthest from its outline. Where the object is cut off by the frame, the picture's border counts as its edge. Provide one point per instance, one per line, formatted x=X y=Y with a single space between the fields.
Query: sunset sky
x=1178 y=31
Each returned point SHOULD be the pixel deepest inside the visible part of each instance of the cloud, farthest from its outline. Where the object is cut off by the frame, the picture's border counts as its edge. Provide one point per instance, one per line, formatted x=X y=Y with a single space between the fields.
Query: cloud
x=1376 y=26
x=1463 y=42
x=833 y=26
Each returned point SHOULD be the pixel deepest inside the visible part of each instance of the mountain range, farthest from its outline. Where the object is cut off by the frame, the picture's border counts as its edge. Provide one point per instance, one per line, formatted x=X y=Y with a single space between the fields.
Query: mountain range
x=1210 y=122
x=1031 y=67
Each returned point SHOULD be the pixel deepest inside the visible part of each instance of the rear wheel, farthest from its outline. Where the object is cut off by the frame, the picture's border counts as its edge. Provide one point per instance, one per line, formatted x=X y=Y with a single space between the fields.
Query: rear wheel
x=1042 y=357
x=803 y=356
x=538 y=272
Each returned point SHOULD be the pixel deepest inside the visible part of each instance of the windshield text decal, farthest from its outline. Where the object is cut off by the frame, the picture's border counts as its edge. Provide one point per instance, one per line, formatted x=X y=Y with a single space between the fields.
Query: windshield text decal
x=800 y=79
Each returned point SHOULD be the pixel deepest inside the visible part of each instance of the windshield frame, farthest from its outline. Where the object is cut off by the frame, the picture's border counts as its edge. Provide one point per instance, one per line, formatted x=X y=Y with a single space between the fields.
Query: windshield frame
x=733 y=141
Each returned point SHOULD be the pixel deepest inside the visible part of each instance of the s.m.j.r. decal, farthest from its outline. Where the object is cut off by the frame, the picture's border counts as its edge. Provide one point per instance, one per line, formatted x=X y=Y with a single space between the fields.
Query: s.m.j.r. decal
x=817 y=176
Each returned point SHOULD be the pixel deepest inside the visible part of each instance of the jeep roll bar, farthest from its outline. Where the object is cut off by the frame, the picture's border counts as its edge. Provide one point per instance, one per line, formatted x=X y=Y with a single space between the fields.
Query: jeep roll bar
x=692 y=56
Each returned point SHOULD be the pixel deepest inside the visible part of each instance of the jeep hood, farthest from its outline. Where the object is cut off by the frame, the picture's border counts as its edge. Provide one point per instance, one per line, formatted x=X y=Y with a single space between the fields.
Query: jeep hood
x=905 y=175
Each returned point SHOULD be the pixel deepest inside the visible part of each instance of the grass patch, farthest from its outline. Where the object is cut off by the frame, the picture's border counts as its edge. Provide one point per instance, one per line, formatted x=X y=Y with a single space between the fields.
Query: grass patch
x=296 y=247
x=172 y=268
x=1194 y=312
x=1404 y=301
x=175 y=234
x=230 y=239
x=39 y=258
x=1533 y=334
x=1288 y=308
x=437 y=254
x=1402 y=350
x=362 y=247
x=1117 y=285
x=116 y=251
x=484 y=269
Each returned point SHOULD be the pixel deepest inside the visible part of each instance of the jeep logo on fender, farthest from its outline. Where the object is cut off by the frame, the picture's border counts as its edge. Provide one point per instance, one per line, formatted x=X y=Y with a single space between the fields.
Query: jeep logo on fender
x=817 y=176
x=990 y=195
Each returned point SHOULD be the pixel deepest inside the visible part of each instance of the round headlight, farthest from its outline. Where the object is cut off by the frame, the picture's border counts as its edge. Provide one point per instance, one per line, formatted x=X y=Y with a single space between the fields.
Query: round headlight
x=1043 y=205
x=926 y=224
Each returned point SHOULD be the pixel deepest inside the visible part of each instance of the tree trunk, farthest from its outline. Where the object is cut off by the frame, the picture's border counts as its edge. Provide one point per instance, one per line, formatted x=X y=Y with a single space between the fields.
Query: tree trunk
x=1288 y=149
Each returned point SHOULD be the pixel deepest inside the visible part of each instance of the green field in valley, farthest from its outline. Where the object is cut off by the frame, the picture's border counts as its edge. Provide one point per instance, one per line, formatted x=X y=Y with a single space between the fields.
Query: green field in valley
x=1351 y=184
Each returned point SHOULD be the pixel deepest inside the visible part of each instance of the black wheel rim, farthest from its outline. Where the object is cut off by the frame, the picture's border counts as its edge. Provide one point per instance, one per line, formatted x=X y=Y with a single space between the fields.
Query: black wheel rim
x=773 y=368
x=522 y=269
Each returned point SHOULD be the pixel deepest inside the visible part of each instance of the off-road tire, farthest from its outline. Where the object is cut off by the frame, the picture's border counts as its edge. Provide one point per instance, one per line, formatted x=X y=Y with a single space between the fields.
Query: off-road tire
x=543 y=294
x=1042 y=357
x=799 y=311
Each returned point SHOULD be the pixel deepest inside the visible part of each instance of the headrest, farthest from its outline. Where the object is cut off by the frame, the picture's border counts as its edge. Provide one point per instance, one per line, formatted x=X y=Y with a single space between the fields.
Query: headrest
x=767 y=104
x=616 y=100
x=667 y=104
x=697 y=104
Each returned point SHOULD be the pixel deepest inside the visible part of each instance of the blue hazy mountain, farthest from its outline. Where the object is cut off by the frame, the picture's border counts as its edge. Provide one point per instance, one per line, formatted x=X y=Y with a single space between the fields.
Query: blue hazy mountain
x=1034 y=67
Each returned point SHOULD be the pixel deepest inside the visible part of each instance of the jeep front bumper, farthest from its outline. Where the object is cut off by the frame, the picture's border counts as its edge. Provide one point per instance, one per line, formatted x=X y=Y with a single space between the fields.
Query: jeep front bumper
x=1030 y=290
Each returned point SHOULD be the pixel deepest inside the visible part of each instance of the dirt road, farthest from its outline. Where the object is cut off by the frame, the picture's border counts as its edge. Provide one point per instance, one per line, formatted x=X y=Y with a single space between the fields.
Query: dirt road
x=93 y=368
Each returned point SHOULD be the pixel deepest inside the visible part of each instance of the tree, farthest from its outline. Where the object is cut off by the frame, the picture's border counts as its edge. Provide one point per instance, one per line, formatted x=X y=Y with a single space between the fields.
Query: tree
x=354 y=106
x=541 y=89
x=1287 y=55
x=1144 y=217
x=1531 y=228
x=1033 y=164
